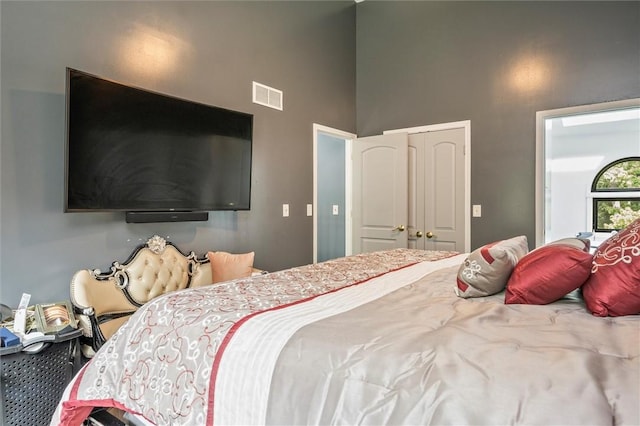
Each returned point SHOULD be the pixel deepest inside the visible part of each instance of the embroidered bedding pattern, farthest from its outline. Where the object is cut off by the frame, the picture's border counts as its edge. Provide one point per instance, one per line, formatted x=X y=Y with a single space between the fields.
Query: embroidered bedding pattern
x=168 y=348
x=613 y=289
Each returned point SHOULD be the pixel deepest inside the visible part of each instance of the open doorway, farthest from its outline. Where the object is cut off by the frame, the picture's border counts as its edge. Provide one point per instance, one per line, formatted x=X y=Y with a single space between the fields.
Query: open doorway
x=331 y=193
x=572 y=146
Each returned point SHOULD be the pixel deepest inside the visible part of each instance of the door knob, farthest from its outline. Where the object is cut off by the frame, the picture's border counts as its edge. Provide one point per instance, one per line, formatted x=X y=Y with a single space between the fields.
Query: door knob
x=419 y=234
x=398 y=228
x=430 y=234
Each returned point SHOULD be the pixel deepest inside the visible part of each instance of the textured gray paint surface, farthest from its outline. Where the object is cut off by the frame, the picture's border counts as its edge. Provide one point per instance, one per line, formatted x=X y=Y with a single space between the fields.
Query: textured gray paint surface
x=417 y=63
x=496 y=64
x=212 y=51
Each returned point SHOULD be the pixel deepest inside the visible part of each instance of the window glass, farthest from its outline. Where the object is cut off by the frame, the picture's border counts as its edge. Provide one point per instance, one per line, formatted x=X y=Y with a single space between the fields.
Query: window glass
x=623 y=174
x=618 y=209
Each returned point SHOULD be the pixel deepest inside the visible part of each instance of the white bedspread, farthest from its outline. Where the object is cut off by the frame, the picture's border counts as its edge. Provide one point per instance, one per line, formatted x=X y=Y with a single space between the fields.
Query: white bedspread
x=376 y=339
x=164 y=363
x=423 y=356
x=245 y=394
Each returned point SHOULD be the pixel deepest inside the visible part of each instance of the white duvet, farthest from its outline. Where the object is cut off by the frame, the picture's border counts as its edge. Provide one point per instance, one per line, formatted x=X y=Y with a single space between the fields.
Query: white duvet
x=371 y=339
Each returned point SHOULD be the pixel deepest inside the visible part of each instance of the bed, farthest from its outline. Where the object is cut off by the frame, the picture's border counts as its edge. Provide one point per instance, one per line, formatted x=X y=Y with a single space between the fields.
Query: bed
x=393 y=337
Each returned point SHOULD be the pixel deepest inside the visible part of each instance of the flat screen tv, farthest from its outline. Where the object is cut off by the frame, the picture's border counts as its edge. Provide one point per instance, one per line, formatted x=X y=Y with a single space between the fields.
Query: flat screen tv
x=134 y=150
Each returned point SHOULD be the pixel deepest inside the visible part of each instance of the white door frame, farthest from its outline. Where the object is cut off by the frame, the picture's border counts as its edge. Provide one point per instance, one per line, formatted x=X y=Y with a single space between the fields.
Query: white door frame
x=348 y=137
x=466 y=124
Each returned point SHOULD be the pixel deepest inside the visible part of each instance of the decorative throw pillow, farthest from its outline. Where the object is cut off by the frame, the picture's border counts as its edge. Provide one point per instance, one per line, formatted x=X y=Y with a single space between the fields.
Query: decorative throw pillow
x=549 y=272
x=613 y=289
x=486 y=270
x=579 y=243
x=226 y=266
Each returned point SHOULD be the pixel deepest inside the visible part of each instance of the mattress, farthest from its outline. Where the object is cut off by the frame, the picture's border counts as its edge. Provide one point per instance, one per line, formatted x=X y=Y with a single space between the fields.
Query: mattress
x=378 y=338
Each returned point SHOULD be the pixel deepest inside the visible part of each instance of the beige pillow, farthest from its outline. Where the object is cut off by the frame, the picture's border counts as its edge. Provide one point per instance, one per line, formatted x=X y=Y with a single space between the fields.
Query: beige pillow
x=227 y=266
x=579 y=243
x=486 y=270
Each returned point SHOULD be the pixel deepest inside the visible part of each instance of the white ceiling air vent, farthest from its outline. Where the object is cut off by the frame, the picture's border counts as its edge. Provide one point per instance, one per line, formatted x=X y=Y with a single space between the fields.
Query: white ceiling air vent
x=267 y=96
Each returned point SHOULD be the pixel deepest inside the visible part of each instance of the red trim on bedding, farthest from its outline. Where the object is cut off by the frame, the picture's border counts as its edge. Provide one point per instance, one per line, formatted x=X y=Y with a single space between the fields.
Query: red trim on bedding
x=73 y=395
x=234 y=328
x=484 y=251
x=462 y=285
x=75 y=411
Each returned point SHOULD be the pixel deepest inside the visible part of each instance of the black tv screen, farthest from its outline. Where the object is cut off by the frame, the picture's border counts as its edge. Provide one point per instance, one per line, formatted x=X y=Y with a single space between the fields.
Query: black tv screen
x=130 y=149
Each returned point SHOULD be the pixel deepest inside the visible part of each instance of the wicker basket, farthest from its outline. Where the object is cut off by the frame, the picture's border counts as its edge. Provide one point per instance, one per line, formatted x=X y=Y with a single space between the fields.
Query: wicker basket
x=31 y=385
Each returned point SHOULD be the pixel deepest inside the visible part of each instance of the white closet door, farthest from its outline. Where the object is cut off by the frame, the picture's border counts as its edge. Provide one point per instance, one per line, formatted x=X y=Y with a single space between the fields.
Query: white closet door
x=436 y=190
x=380 y=200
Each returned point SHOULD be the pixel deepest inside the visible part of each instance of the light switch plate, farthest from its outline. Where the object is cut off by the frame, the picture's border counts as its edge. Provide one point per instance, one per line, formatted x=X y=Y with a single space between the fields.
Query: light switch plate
x=285 y=210
x=309 y=209
x=477 y=210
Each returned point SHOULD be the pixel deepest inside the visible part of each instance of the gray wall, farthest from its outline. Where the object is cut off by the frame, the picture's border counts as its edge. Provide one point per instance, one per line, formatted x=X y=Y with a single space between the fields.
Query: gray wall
x=417 y=63
x=496 y=64
x=216 y=49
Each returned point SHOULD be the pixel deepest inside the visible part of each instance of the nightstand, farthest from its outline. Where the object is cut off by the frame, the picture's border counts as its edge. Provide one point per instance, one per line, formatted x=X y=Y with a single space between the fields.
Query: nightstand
x=31 y=384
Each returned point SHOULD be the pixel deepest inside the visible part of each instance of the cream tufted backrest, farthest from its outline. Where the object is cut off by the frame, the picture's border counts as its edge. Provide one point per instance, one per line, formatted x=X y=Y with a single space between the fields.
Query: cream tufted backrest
x=105 y=300
x=151 y=275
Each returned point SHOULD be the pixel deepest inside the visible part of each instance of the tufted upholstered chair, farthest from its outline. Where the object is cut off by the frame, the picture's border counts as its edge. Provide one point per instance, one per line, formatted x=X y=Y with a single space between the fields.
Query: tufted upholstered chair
x=104 y=301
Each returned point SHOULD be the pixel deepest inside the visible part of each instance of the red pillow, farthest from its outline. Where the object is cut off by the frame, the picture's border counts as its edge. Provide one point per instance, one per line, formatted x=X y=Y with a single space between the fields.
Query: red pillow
x=547 y=274
x=614 y=286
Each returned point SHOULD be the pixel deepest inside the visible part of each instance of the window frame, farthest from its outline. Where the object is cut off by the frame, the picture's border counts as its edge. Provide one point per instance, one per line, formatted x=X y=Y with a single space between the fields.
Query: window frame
x=598 y=194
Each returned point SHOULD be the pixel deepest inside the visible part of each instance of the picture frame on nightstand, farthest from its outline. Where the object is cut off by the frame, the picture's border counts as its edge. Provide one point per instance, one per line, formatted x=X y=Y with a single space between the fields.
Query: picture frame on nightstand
x=55 y=317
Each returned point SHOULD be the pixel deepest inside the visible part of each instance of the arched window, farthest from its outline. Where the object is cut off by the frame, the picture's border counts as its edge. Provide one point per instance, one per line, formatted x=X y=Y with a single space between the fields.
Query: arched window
x=616 y=195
